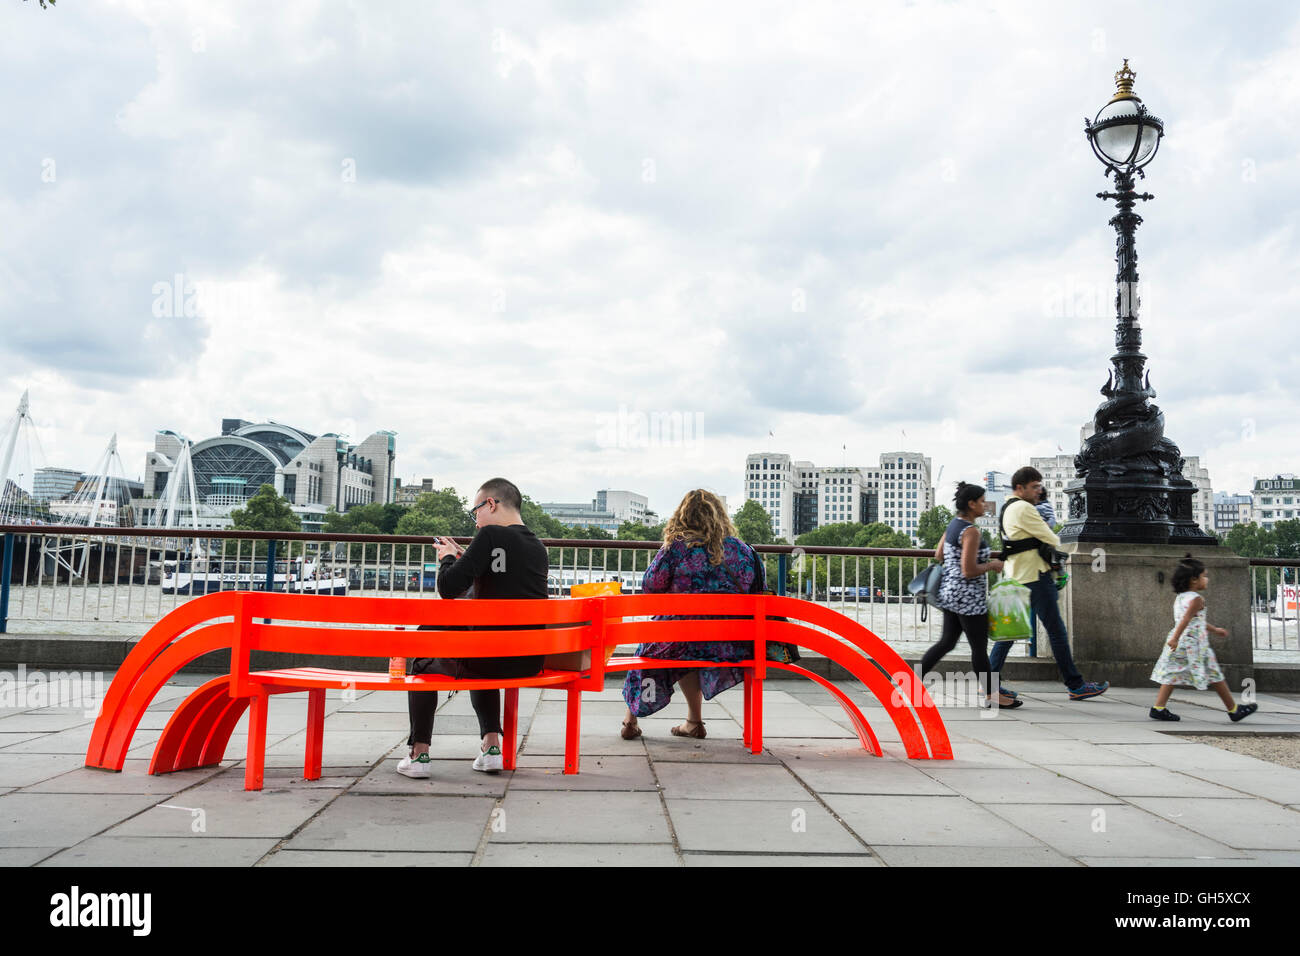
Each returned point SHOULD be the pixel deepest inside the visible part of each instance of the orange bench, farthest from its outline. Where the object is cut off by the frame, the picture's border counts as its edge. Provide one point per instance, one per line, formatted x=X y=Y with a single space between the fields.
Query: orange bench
x=200 y=728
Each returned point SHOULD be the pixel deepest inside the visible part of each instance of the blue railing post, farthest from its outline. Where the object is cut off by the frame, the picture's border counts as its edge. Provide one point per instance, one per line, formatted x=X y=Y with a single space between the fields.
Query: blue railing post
x=782 y=568
x=7 y=572
x=270 y=573
x=270 y=565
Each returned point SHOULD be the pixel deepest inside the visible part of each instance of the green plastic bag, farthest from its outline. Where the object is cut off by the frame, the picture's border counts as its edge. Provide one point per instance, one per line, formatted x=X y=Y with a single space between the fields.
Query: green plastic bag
x=1009 y=612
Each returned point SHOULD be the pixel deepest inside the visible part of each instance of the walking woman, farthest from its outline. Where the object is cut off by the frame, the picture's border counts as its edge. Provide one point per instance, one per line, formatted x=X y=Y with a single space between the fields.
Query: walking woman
x=962 y=596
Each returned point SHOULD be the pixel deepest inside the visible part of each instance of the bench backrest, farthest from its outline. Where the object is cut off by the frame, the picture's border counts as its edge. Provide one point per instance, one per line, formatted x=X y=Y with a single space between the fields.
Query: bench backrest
x=387 y=627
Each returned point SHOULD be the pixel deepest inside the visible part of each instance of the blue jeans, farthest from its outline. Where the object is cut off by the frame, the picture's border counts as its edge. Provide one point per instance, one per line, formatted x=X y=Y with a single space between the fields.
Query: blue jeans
x=1042 y=598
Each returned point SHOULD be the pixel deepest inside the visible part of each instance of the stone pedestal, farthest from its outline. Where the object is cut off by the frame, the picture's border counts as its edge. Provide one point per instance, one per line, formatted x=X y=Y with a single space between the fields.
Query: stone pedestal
x=1121 y=609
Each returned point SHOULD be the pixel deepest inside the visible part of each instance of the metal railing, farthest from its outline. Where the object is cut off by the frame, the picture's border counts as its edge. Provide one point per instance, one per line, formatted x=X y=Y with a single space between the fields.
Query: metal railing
x=119 y=581
x=1275 y=604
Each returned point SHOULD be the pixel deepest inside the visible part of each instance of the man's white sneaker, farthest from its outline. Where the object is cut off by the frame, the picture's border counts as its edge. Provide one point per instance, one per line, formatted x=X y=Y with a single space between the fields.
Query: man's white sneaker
x=489 y=761
x=421 y=768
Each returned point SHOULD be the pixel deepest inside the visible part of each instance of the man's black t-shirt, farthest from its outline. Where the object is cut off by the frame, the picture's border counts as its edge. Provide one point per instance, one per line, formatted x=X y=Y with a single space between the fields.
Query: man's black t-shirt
x=503 y=561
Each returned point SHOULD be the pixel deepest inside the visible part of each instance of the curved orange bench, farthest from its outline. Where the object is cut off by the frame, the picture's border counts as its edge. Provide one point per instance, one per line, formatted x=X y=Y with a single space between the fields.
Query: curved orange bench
x=200 y=728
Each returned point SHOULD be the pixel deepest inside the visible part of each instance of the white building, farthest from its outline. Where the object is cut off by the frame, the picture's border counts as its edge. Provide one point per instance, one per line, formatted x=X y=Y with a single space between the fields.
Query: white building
x=607 y=511
x=801 y=496
x=1230 y=511
x=313 y=473
x=1275 y=499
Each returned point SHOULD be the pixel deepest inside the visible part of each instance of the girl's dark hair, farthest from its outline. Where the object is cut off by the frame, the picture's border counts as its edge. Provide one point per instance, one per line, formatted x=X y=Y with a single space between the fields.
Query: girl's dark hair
x=966 y=496
x=1188 y=570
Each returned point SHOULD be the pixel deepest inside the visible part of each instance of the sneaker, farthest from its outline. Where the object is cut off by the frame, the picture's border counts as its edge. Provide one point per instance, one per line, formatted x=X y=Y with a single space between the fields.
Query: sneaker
x=1089 y=689
x=1243 y=710
x=1163 y=714
x=1007 y=692
x=489 y=761
x=421 y=768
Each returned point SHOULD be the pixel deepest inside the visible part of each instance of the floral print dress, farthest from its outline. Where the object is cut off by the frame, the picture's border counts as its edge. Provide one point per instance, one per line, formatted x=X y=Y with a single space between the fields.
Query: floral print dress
x=1193 y=663
x=685 y=569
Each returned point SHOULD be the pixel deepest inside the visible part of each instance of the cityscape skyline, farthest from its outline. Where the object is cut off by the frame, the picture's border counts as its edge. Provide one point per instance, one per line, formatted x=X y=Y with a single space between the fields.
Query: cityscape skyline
x=503 y=270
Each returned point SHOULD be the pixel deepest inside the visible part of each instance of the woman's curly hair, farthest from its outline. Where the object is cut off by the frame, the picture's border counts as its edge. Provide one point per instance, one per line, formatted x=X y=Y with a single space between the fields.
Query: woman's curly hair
x=700 y=519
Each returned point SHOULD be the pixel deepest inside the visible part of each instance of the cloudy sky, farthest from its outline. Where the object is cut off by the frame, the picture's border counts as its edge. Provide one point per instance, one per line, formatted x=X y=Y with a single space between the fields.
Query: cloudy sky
x=515 y=234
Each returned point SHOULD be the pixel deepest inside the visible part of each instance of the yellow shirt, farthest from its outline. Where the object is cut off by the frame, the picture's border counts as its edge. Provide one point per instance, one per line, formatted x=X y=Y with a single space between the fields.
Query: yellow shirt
x=1025 y=522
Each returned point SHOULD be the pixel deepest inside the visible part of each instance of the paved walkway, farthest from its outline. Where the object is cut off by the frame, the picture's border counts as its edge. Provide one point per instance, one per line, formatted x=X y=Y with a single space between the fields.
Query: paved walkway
x=1054 y=783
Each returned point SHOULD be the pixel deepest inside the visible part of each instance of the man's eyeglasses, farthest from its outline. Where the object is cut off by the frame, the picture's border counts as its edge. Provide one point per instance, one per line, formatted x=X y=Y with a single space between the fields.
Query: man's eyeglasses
x=477 y=506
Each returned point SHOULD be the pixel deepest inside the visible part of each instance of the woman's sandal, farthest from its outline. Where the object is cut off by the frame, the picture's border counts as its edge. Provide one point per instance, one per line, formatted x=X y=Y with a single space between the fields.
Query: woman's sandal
x=630 y=730
x=697 y=733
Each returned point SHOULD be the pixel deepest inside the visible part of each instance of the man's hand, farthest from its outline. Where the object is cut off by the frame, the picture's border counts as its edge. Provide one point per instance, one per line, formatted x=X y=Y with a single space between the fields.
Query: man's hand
x=446 y=547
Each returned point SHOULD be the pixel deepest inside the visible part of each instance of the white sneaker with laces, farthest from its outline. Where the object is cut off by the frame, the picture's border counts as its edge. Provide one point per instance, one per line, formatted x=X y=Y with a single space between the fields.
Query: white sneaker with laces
x=421 y=768
x=490 y=761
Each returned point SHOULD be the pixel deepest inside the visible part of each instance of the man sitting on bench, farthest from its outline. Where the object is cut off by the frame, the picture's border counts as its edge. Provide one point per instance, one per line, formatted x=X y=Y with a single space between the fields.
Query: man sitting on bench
x=505 y=560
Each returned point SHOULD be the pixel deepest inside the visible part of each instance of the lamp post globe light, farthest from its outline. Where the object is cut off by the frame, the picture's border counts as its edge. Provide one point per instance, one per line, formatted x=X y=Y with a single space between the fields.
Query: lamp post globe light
x=1129 y=484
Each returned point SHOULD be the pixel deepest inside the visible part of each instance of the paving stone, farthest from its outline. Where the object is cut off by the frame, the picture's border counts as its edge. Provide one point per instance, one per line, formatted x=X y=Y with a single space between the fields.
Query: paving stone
x=23 y=770
x=659 y=728
x=365 y=858
x=8 y=739
x=605 y=744
x=450 y=778
x=134 y=777
x=597 y=773
x=1280 y=784
x=1141 y=781
x=1123 y=733
x=534 y=816
x=933 y=821
x=1242 y=824
x=291 y=778
x=44 y=722
x=371 y=822
x=778 y=859
x=970 y=753
x=76 y=741
x=163 y=851
x=1076 y=752
x=25 y=855
x=687 y=781
x=1192 y=756
x=856 y=772
x=709 y=750
x=761 y=826
x=63 y=819
x=1074 y=830
x=970 y=856
x=1017 y=785
x=579 y=854
x=352 y=722
x=227 y=812
x=1155 y=862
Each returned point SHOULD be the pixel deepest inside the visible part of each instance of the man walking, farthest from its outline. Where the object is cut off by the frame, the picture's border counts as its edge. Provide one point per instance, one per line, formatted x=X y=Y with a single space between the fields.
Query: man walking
x=505 y=560
x=1022 y=522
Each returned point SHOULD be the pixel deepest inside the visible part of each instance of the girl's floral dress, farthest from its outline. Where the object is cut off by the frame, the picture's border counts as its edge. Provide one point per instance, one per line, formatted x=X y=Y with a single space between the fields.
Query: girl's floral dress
x=685 y=569
x=1193 y=663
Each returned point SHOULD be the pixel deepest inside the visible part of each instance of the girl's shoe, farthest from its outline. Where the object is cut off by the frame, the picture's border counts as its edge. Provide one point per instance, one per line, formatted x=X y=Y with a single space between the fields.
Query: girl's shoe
x=1243 y=710
x=489 y=761
x=682 y=731
x=1163 y=714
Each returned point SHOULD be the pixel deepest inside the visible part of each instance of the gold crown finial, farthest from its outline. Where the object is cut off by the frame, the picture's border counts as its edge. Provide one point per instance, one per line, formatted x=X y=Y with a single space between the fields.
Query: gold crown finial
x=1124 y=84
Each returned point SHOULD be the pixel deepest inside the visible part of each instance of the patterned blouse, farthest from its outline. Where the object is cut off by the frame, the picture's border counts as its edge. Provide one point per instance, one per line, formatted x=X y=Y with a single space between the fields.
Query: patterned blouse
x=685 y=569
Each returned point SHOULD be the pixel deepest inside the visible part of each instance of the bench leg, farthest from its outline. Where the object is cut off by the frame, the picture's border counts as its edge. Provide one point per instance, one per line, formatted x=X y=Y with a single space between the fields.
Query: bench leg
x=510 y=743
x=744 y=717
x=256 y=760
x=315 y=732
x=572 y=731
x=754 y=721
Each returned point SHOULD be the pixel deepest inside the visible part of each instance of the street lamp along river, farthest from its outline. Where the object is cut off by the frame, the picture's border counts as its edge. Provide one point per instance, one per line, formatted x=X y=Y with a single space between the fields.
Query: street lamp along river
x=1129 y=485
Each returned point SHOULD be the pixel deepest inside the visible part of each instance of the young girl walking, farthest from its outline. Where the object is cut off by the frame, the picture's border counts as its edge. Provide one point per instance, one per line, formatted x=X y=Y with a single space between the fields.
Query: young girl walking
x=1187 y=658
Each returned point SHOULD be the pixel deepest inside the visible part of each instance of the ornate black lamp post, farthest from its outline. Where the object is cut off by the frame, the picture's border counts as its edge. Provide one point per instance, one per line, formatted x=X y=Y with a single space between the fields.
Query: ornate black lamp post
x=1129 y=485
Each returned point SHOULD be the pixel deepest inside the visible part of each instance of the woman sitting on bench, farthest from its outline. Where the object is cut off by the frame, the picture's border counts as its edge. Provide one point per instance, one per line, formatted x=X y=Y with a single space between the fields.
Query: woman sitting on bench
x=701 y=554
